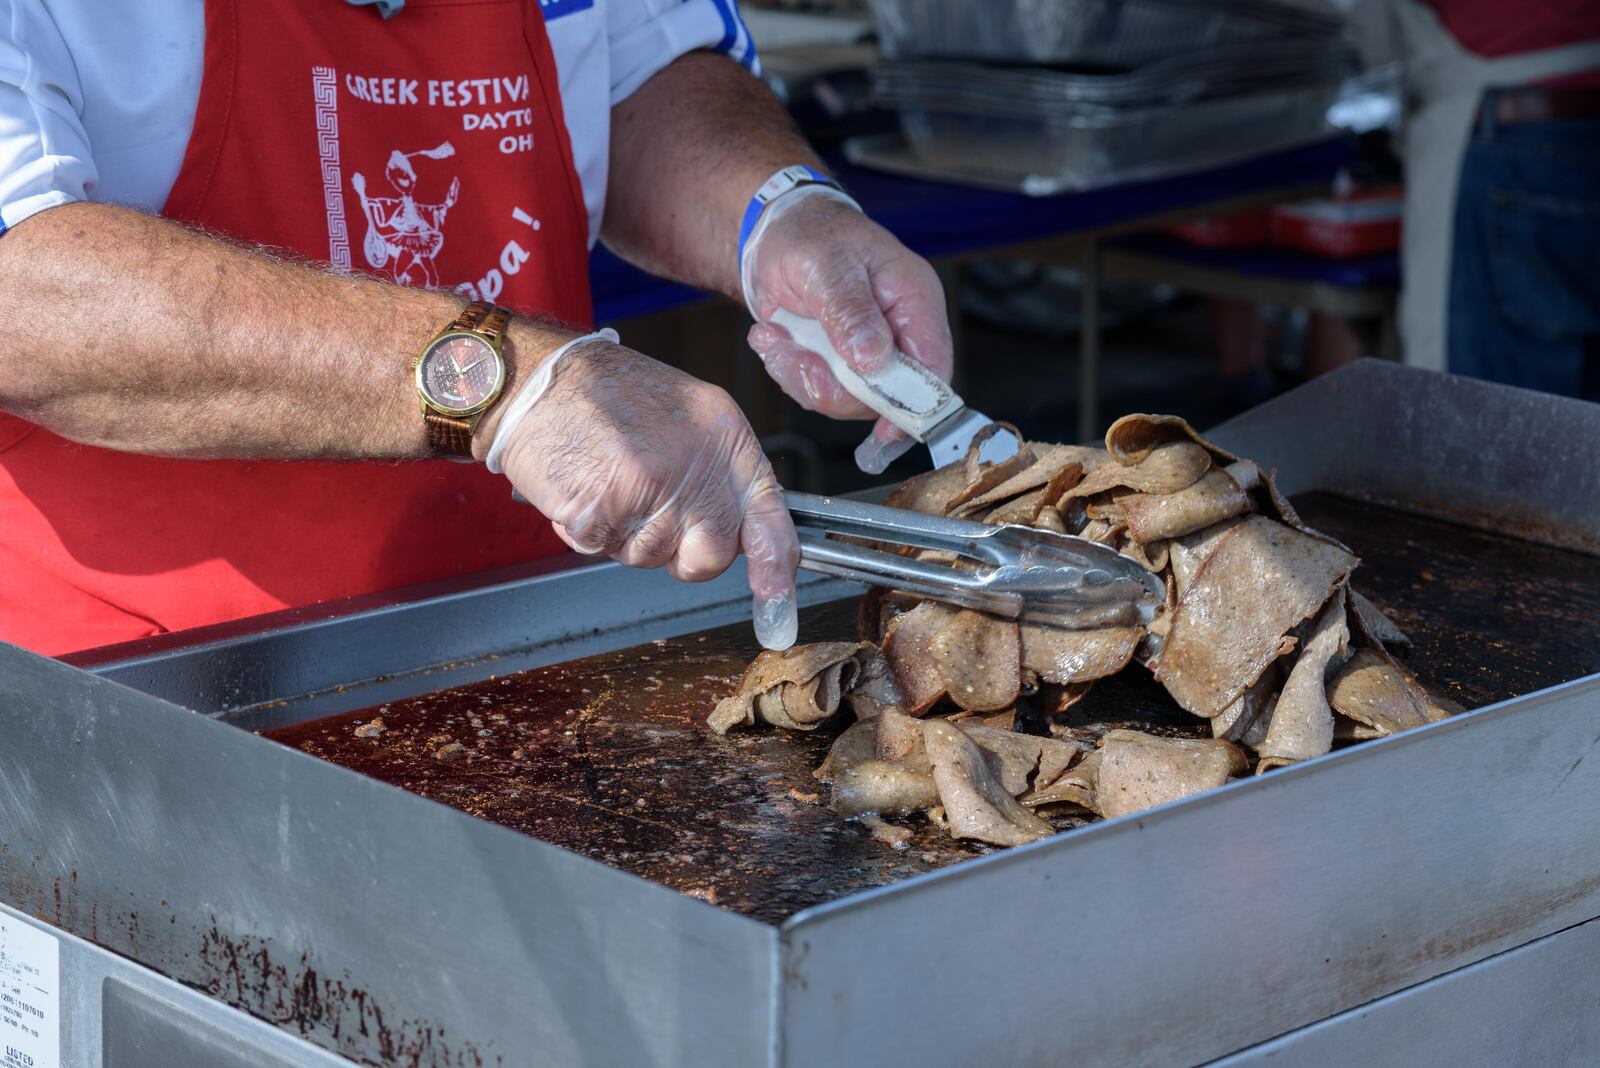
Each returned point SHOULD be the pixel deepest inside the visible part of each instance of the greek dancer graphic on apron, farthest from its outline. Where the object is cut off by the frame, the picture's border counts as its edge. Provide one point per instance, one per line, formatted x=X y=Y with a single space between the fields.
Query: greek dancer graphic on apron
x=401 y=234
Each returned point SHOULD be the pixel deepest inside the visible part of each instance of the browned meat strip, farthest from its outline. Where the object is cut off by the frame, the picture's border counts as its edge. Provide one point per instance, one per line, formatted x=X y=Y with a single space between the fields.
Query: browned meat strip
x=1048 y=518
x=979 y=660
x=874 y=688
x=1075 y=787
x=1022 y=759
x=1375 y=692
x=994 y=475
x=1245 y=719
x=1301 y=723
x=908 y=643
x=1133 y=437
x=898 y=737
x=862 y=783
x=1190 y=551
x=796 y=688
x=1217 y=496
x=883 y=789
x=1152 y=557
x=1026 y=508
x=1263 y=579
x=859 y=742
x=976 y=805
x=930 y=492
x=1048 y=463
x=1378 y=626
x=1167 y=468
x=1139 y=771
x=1063 y=656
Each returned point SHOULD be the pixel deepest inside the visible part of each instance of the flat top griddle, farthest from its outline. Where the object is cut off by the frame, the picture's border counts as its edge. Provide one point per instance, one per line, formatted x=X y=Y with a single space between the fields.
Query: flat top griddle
x=609 y=756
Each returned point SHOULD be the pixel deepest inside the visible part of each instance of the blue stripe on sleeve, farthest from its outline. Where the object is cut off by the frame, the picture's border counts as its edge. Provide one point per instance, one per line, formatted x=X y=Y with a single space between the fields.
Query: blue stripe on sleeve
x=736 y=41
x=730 y=25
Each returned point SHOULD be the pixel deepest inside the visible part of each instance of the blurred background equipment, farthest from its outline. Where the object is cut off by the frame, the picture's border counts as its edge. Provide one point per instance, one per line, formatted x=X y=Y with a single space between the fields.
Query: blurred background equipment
x=1156 y=205
x=1045 y=96
x=1084 y=33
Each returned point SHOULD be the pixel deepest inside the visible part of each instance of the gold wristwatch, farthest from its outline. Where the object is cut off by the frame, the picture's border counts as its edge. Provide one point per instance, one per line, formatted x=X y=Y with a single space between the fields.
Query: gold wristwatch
x=460 y=373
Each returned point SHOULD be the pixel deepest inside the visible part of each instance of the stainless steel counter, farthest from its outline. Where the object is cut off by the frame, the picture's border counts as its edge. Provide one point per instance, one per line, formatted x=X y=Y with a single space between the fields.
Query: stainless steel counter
x=361 y=919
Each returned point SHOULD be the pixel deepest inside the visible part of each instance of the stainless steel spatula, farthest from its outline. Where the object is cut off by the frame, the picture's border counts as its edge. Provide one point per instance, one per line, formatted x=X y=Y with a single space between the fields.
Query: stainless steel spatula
x=909 y=396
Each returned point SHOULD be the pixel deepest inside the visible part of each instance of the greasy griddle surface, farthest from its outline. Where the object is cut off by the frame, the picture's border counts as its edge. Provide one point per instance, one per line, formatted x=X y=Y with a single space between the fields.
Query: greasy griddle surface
x=609 y=756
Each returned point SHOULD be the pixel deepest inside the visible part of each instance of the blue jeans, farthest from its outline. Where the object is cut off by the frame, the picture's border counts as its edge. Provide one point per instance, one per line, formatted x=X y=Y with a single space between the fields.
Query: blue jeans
x=1525 y=270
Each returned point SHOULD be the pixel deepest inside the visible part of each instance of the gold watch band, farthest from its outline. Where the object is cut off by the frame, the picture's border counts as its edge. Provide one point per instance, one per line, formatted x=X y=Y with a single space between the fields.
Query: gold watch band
x=450 y=435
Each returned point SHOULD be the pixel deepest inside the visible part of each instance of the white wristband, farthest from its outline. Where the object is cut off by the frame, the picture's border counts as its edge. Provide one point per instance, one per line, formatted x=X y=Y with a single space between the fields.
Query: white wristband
x=530 y=393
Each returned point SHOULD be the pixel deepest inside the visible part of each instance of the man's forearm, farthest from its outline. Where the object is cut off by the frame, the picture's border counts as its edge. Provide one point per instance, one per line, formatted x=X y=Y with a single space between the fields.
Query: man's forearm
x=688 y=150
x=128 y=331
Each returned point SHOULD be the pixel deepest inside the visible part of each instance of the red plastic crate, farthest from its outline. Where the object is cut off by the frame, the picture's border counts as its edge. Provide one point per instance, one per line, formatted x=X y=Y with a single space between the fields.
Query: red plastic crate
x=1361 y=224
x=1224 y=231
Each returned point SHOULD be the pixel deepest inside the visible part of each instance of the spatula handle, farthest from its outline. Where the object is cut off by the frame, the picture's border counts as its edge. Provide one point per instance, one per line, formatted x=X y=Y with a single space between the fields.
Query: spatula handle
x=904 y=391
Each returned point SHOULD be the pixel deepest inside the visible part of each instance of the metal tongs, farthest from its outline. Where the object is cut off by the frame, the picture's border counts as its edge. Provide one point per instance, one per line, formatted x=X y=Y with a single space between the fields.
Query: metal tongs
x=1037 y=576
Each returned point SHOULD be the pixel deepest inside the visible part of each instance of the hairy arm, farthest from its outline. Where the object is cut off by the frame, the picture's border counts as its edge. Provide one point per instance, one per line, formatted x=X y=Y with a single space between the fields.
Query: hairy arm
x=131 y=332
x=688 y=151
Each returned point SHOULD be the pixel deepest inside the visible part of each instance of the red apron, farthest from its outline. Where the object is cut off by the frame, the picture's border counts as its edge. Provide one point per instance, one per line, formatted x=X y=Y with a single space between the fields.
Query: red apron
x=428 y=149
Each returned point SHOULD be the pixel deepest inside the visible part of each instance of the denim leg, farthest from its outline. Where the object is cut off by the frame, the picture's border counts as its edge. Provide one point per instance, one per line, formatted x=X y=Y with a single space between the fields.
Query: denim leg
x=1525 y=268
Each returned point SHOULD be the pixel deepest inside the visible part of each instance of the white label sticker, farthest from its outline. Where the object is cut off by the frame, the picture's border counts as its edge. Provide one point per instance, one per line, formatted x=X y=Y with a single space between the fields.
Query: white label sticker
x=30 y=1010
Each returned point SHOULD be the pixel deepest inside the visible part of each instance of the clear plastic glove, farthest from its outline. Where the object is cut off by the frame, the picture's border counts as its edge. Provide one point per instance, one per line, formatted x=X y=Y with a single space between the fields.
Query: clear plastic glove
x=632 y=459
x=818 y=256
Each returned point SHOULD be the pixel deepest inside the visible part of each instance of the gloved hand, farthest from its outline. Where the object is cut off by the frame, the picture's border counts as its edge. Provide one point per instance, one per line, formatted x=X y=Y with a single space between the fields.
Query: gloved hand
x=818 y=256
x=632 y=459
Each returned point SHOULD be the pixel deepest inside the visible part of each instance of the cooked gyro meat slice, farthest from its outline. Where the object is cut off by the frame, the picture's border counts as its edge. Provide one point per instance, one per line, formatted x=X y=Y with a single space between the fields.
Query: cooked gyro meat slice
x=1167 y=468
x=858 y=742
x=1218 y=495
x=874 y=688
x=1020 y=760
x=1153 y=557
x=908 y=644
x=863 y=783
x=1025 y=508
x=1263 y=580
x=1245 y=720
x=975 y=803
x=1137 y=771
x=1375 y=623
x=1074 y=786
x=1301 y=722
x=1135 y=436
x=898 y=737
x=1187 y=553
x=883 y=788
x=979 y=660
x=1377 y=693
x=992 y=476
x=930 y=492
x=1049 y=518
x=796 y=688
x=1065 y=656
x=1048 y=462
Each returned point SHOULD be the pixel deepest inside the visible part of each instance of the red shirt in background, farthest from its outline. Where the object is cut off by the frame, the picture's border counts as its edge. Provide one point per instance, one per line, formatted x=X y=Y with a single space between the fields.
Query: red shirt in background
x=1492 y=28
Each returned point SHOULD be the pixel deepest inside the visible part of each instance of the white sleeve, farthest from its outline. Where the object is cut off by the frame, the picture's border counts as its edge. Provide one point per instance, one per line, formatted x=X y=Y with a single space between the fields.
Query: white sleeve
x=646 y=35
x=44 y=151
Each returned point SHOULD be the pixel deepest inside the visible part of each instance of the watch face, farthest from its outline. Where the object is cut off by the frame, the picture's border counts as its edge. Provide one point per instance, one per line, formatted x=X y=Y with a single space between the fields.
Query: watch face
x=460 y=373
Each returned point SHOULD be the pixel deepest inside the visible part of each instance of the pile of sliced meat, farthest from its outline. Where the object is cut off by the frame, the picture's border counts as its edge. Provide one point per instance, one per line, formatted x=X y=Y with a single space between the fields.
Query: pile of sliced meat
x=1262 y=636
